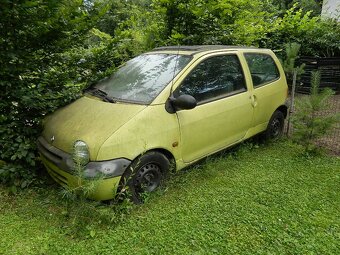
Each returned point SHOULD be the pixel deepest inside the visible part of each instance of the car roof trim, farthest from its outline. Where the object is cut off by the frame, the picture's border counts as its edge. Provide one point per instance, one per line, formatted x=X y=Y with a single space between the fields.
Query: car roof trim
x=201 y=48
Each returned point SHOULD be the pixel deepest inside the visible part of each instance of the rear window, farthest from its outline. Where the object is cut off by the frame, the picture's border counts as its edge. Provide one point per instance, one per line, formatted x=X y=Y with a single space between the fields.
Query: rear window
x=262 y=68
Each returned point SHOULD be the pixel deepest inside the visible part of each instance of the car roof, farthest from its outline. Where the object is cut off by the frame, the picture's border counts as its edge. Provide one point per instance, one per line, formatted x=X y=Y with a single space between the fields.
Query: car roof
x=200 y=48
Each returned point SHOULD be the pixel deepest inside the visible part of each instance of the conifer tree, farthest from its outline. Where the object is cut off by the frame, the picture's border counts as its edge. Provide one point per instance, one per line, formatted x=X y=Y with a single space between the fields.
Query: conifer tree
x=309 y=120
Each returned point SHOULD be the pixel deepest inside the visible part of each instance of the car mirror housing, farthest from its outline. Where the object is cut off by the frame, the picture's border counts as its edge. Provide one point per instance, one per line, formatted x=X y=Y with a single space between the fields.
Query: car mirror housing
x=183 y=102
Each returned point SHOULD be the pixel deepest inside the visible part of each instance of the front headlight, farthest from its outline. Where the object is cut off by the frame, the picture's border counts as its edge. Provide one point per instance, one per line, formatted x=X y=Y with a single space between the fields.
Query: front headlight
x=106 y=169
x=81 y=153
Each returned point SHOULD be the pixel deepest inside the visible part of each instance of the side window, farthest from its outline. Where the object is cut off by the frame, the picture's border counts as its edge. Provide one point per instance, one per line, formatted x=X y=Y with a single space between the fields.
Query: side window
x=262 y=68
x=213 y=78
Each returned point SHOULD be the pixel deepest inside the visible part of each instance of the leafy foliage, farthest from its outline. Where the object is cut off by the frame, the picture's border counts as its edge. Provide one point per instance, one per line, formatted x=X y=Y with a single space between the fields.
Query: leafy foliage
x=213 y=22
x=309 y=120
x=318 y=37
x=305 y=5
x=33 y=33
x=246 y=22
x=50 y=51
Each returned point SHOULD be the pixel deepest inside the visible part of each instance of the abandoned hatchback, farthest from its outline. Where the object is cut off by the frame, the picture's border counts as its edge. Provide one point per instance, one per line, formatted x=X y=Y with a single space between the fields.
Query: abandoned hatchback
x=171 y=106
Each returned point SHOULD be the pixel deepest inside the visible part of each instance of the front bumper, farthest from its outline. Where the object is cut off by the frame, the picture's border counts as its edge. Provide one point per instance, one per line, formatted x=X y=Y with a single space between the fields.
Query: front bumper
x=60 y=166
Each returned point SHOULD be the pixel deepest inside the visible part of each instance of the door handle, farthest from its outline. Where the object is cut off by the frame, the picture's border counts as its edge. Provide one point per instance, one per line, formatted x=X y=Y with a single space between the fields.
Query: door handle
x=253 y=100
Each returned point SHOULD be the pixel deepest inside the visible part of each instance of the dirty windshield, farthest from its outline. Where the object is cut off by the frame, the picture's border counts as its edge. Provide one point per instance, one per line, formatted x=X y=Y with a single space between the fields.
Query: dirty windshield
x=142 y=78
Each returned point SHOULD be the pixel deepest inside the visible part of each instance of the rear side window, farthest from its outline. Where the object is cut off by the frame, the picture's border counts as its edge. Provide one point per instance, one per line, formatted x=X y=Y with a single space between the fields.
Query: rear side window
x=214 y=78
x=262 y=68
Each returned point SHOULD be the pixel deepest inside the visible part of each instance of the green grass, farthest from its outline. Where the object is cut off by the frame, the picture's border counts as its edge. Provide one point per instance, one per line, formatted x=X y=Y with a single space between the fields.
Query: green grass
x=266 y=199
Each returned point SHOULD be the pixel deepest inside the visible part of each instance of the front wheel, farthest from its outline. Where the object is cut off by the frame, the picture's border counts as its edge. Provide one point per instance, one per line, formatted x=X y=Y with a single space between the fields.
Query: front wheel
x=275 y=126
x=145 y=175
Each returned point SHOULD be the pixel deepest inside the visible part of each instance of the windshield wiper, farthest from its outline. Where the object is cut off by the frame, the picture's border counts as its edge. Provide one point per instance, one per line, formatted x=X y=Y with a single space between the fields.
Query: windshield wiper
x=100 y=93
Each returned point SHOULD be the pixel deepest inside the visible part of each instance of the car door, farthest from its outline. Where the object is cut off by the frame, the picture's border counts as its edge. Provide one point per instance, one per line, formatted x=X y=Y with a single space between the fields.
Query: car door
x=224 y=111
x=267 y=83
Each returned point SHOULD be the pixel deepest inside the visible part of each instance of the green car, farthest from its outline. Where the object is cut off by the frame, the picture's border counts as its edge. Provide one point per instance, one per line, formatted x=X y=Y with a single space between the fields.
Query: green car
x=164 y=109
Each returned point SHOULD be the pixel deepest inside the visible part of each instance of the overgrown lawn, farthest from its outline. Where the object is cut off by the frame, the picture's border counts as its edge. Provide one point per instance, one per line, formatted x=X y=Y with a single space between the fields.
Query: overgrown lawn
x=266 y=199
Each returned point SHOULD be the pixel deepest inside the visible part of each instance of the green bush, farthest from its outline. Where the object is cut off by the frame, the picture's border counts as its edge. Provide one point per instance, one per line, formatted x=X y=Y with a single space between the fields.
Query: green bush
x=256 y=23
x=50 y=51
x=31 y=34
x=213 y=22
x=317 y=37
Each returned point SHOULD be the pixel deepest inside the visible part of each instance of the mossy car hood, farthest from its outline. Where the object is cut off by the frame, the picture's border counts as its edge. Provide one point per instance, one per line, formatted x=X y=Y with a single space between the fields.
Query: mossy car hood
x=87 y=119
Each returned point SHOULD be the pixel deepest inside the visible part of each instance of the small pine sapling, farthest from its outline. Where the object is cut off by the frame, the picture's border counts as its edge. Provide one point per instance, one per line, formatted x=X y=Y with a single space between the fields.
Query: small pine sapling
x=292 y=72
x=292 y=51
x=309 y=120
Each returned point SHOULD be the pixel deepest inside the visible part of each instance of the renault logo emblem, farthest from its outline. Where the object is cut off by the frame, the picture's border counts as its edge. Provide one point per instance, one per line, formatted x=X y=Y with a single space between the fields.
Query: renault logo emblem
x=52 y=138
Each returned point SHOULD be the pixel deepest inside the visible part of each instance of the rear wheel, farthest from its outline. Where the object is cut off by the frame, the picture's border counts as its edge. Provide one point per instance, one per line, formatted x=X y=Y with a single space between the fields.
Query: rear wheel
x=145 y=175
x=275 y=126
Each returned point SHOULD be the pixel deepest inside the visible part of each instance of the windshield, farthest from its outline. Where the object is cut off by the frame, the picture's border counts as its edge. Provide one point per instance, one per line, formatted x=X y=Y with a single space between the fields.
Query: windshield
x=142 y=78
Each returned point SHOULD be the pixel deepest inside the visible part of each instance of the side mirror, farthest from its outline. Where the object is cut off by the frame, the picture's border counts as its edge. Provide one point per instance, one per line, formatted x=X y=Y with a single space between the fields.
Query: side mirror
x=183 y=102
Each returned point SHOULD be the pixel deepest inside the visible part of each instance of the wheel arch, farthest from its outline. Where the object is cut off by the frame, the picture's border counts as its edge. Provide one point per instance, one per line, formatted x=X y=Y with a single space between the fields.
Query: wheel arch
x=166 y=153
x=283 y=109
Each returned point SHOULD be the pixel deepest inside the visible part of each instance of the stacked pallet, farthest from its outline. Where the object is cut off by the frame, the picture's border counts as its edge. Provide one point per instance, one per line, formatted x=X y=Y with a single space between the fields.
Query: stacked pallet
x=329 y=69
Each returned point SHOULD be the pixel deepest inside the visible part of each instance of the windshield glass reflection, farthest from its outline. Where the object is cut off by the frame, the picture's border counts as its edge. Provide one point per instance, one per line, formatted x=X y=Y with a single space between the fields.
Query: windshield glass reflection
x=141 y=79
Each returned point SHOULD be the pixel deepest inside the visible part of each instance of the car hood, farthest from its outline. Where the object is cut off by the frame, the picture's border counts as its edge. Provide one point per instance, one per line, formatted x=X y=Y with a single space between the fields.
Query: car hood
x=87 y=119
